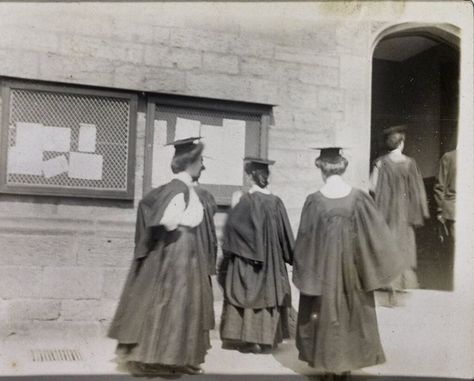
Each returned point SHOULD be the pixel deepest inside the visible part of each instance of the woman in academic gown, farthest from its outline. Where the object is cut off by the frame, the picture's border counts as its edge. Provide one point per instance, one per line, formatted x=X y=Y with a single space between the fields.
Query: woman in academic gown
x=343 y=252
x=257 y=244
x=160 y=321
x=400 y=196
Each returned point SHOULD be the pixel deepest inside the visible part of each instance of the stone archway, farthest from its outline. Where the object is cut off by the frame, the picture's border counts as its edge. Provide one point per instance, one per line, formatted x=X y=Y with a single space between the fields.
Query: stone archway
x=415 y=81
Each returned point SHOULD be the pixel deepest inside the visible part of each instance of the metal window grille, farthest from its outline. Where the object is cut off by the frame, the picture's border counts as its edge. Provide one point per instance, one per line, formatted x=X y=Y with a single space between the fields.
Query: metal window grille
x=113 y=119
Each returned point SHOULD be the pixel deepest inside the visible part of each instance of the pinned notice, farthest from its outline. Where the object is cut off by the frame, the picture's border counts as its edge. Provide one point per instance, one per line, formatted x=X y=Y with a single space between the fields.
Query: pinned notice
x=56 y=139
x=24 y=161
x=162 y=155
x=87 y=137
x=187 y=128
x=29 y=136
x=85 y=166
x=55 y=166
x=226 y=146
x=35 y=136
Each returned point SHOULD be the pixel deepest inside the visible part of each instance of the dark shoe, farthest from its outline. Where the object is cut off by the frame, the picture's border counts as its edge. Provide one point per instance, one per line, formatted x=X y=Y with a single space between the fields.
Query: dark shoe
x=193 y=369
x=250 y=348
x=141 y=369
x=267 y=349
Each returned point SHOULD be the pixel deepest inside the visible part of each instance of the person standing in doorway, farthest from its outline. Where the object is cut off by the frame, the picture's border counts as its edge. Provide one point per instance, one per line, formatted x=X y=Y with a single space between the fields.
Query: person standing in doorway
x=343 y=252
x=445 y=193
x=400 y=196
x=258 y=243
x=160 y=321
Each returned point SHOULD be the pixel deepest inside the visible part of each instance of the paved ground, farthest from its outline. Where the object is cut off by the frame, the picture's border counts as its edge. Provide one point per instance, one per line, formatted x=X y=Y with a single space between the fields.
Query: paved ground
x=413 y=346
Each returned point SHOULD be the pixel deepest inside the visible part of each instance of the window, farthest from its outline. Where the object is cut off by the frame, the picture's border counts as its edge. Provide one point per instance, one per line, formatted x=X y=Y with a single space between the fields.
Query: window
x=67 y=141
x=230 y=131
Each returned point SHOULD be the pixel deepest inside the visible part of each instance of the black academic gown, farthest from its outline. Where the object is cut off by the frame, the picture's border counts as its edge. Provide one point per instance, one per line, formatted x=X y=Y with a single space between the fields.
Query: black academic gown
x=401 y=198
x=258 y=241
x=161 y=313
x=343 y=252
x=206 y=234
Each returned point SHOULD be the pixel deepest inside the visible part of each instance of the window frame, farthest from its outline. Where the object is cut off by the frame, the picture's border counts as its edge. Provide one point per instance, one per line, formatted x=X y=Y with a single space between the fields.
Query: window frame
x=7 y=84
x=207 y=104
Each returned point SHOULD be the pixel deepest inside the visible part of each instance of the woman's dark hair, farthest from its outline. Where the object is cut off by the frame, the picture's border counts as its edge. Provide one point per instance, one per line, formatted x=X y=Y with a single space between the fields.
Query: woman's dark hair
x=258 y=172
x=181 y=161
x=393 y=140
x=332 y=168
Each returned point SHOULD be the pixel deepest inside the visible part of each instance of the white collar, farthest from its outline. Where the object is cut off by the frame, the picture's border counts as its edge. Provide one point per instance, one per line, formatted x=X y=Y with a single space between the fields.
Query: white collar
x=335 y=187
x=396 y=151
x=335 y=180
x=185 y=177
x=256 y=188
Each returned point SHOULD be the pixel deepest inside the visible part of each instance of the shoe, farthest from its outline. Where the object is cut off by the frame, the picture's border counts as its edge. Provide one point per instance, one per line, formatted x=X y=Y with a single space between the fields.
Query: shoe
x=267 y=349
x=141 y=369
x=193 y=369
x=251 y=348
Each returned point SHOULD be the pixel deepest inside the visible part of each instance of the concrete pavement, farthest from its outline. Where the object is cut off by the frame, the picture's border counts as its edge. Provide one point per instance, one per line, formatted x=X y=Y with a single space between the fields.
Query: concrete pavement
x=413 y=347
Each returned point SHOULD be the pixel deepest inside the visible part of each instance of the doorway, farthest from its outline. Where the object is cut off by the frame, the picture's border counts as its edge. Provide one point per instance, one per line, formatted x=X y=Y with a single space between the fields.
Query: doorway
x=415 y=81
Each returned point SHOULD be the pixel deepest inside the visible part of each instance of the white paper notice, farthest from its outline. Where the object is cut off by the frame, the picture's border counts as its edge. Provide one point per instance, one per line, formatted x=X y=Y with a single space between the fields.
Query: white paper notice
x=187 y=128
x=55 y=166
x=24 y=161
x=226 y=148
x=56 y=139
x=87 y=137
x=29 y=136
x=162 y=155
x=85 y=166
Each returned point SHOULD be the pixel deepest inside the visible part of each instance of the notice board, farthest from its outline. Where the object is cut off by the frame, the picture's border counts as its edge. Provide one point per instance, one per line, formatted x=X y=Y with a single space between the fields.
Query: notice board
x=66 y=140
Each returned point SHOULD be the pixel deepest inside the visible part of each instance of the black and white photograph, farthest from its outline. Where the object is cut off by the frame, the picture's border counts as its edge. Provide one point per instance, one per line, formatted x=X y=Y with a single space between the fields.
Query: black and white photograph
x=235 y=190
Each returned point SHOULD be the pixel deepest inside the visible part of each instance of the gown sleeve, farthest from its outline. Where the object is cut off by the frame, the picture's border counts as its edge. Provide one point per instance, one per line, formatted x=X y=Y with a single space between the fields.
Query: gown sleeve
x=418 y=204
x=309 y=260
x=243 y=232
x=374 y=176
x=211 y=210
x=173 y=213
x=376 y=257
x=169 y=203
x=151 y=210
x=207 y=230
x=143 y=236
x=383 y=191
x=285 y=233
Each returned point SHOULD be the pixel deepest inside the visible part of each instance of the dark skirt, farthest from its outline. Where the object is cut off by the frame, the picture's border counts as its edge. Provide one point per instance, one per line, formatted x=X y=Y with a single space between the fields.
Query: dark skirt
x=352 y=342
x=267 y=326
x=163 y=314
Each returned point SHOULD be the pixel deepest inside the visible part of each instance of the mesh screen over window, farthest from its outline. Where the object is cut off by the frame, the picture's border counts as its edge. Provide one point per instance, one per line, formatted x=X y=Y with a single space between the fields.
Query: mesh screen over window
x=68 y=141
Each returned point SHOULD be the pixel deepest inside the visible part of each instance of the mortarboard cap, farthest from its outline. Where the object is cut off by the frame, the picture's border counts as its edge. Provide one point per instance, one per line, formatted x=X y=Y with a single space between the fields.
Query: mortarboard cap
x=395 y=129
x=259 y=160
x=184 y=145
x=330 y=154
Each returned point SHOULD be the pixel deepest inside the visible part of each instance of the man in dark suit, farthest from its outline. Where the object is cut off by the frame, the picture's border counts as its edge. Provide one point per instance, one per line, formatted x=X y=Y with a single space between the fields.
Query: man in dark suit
x=445 y=193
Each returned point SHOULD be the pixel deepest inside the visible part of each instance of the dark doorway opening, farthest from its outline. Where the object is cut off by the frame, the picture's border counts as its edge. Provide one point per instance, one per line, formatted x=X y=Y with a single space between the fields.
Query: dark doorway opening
x=415 y=81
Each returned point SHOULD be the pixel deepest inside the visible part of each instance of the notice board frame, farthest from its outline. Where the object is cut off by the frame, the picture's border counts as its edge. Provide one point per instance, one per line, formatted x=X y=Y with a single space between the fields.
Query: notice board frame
x=6 y=86
x=210 y=105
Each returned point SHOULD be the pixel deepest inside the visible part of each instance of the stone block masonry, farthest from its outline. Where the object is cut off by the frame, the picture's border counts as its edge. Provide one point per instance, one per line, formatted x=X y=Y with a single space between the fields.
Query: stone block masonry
x=63 y=262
